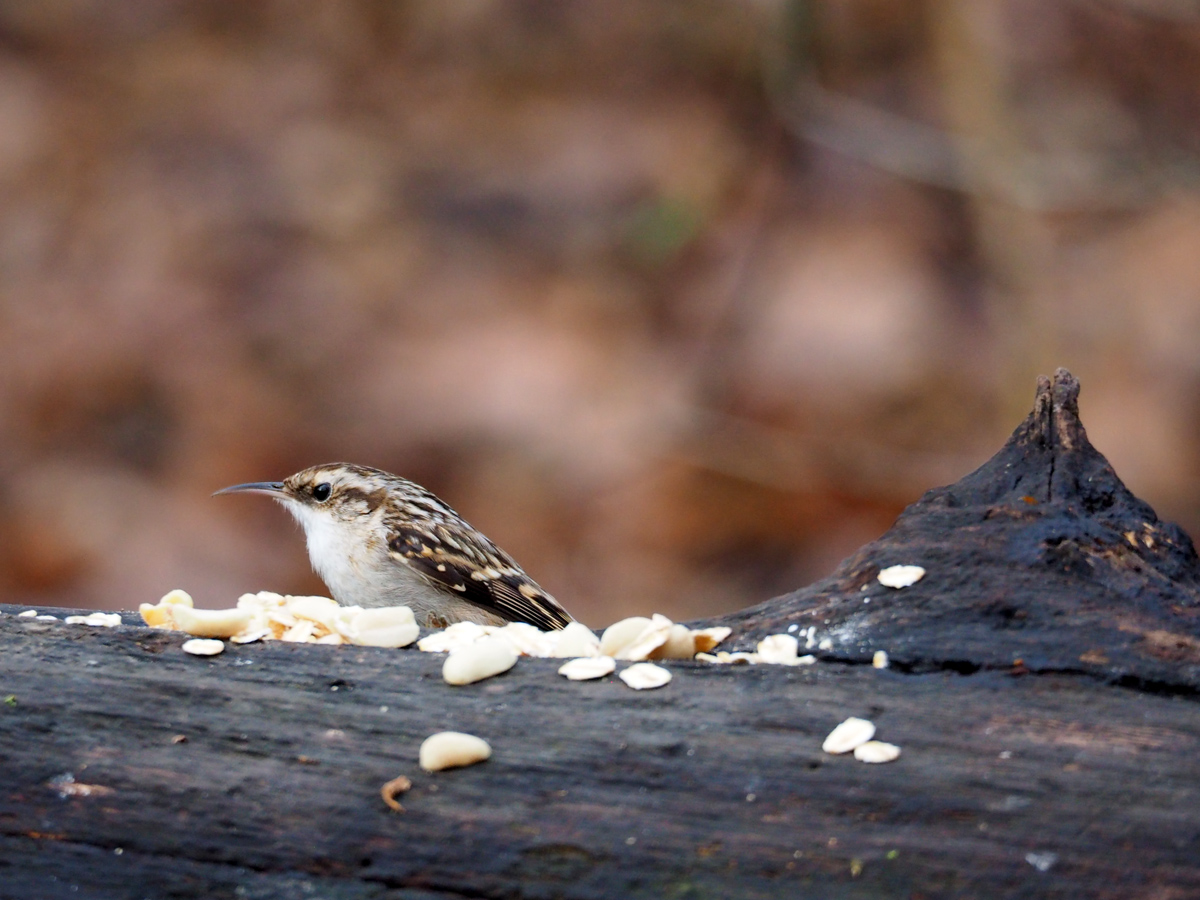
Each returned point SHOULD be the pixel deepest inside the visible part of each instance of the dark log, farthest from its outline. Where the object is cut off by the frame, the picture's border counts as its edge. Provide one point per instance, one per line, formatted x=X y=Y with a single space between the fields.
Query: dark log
x=1041 y=559
x=1073 y=773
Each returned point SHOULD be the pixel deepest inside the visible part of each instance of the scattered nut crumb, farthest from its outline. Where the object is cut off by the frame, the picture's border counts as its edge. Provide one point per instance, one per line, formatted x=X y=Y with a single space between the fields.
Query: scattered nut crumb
x=1043 y=862
x=528 y=640
x=876 y=752
x=451 y=749
x=585 y=668
x=848 y=735
x=639 y=638
x=900 y=576
x=645 y=676
x=637 y=634
x=179 y=739
x=159 y=615
x=680 y=644
x=267 y=616
x=390 y=789
x=781 y=650
x=210 y=623
x=96 y=619
x=707 y=638
x=456 y=635
x=738 y=656
x=478 y=661
x=270 y=616
x=28 y=614
x=300 y=633
x=389 y=626
x=203 y=647
x=880 y=659
x=576 y=640
x=249 y=637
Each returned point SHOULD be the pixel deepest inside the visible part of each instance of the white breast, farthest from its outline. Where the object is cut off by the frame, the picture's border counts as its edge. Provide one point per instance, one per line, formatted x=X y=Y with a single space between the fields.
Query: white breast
x=337 y=553
x=359 y=571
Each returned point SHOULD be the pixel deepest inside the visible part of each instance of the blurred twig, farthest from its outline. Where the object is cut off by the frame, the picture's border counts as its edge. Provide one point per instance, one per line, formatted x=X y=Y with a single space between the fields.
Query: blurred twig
x=1184 y=12
x=793 y=460
x=714 y=348
x=958 y=158
x=923 y=153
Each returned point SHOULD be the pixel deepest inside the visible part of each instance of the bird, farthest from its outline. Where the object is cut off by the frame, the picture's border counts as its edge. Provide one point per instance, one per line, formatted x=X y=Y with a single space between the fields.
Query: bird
x=377 y=539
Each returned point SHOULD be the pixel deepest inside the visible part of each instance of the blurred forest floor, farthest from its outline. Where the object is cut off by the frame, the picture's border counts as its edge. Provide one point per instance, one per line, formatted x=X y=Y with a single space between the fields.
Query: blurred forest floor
x=678 y=302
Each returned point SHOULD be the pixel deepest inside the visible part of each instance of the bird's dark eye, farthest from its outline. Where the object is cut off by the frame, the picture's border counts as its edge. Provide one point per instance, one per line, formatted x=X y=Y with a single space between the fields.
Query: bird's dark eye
x=322 y=491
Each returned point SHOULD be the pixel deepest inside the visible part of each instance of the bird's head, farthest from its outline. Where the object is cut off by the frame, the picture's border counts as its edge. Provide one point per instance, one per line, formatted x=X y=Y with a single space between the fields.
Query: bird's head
x=329 y=493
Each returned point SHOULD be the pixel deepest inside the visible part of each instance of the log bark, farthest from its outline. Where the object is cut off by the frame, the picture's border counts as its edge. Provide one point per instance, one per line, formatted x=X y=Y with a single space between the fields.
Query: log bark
x=1043 y=689
x=1041 y=559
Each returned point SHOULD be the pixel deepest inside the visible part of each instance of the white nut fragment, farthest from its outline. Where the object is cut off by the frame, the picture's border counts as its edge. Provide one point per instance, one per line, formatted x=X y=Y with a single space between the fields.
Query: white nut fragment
x=725 y=658
x=96 y=620
x=876 y=752
x=1043 y=862
x=650 y=642
x=261 y=600
x=880 y=659
x=159 y=615
x=639 y=638
x=249 y=637
x=680 y=644
x=900 y=576
x=825 y=644
x=300 y=633
x=779 y=649
x=388 y=626
x=211 y=623
x=576 y=640
x=320 y=610
x=620 y=635
x=645 y=676
x=738 y=656
x=28 y=614
x=585 y=668
x=280 y=620
x=203 y=647
x=849 y=735
x=450 y=749
x=478 y=661
x=707 y=638
x=460 y=634
x=271 y=616
x=635 y=633
x=528 y=640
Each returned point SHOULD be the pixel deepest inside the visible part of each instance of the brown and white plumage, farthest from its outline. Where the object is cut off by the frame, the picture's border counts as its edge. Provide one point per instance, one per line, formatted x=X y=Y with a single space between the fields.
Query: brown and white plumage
x=381 y=540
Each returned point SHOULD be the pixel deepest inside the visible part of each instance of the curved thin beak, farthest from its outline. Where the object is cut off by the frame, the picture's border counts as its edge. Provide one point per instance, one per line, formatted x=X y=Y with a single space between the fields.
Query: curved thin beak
x=271 y=488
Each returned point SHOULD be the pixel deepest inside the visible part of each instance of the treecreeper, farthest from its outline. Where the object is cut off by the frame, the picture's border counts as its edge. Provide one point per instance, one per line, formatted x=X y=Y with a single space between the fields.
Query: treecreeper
x=377 y=539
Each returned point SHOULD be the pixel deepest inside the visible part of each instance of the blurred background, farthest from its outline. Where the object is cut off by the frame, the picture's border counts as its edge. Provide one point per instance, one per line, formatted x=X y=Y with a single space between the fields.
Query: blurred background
x=679 y=302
